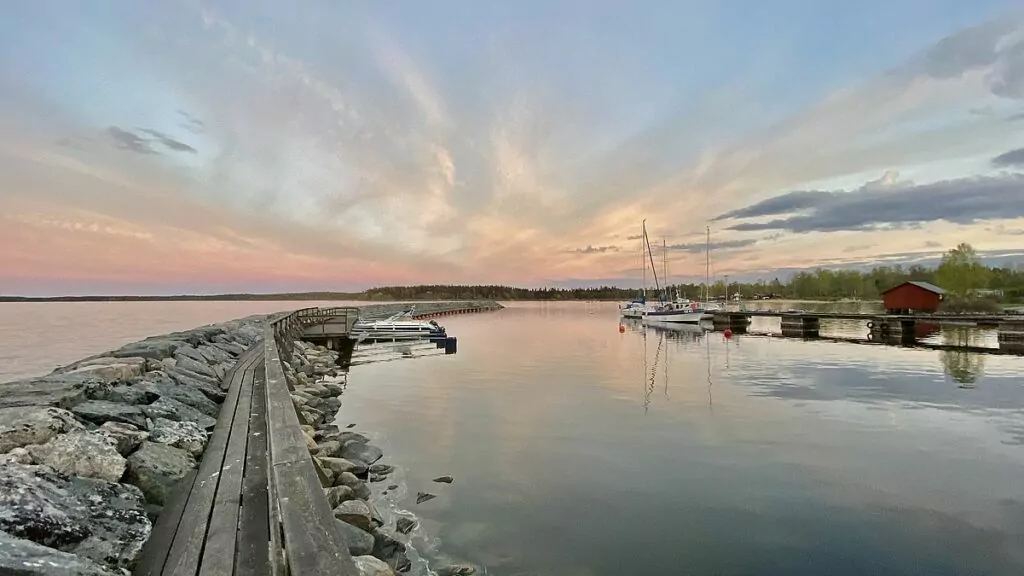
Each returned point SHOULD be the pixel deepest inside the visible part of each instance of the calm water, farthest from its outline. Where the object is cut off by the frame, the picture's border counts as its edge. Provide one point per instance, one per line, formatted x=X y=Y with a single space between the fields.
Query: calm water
x=577 y=450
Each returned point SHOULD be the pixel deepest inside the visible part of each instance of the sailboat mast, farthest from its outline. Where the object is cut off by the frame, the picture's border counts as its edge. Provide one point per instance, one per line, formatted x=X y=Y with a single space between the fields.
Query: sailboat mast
x=664 y=266
x=643 y=260
x=707 y=267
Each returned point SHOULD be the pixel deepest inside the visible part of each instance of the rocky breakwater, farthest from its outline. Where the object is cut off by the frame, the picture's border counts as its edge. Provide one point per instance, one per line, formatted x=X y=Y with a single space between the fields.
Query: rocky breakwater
x=345 y=461
x=90 y=452
x=348 y=464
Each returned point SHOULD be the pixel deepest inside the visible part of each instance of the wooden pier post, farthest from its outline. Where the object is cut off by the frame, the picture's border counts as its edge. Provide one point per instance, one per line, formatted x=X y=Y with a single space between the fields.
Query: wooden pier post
x=800 y=326
x=1011 y=335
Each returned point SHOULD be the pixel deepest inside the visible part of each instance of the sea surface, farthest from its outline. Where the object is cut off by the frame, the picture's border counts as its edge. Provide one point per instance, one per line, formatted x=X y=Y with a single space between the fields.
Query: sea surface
x=580 y=450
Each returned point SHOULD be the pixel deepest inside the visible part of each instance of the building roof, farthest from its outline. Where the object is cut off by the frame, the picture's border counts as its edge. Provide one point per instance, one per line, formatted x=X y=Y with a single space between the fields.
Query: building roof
x=923 y=285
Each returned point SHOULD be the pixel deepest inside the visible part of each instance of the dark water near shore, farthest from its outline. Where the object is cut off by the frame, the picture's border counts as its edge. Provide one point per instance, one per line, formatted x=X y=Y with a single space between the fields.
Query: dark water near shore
x=577 y=450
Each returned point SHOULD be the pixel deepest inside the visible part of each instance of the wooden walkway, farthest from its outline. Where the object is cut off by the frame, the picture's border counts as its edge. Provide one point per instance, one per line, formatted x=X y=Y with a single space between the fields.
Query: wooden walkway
x=255 y=506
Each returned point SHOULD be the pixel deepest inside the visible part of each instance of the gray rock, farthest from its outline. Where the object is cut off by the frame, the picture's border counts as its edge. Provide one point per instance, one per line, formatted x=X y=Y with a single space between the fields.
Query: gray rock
x=325 y=431
x=331 y=448
x=126 y=437
x=361 y=490
x=190 y=352
x=356 y=513
x=380 y=472
x=100 y=411
x=108 y=368
x=17 y=456
x=98 y=520
x=185 y=435
x=20 y=557
x=422 y=497
x=298 y=400
x=172 y=409
x=214 y=355
x=231 y=348
x=405 y=525
x=391 y=551
x=341 y=465
x=57 y=390
x=338 y=494
x=355 y=450
x=317 y=390
x=312 y=416
x=191 y=365
x=155 y=348
x=200 y=395
x=126 y=394
x=81 y=453
x=211 y=389
x=359 y=542
x=33 y=425
x=444 y=479
x=156 y=468
x=456 y=570
x=370 y=566
x=330 y=405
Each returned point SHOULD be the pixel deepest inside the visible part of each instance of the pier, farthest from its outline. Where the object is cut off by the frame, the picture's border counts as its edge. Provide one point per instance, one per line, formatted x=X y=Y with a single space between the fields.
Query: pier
x=256 y=504
x=883 y=328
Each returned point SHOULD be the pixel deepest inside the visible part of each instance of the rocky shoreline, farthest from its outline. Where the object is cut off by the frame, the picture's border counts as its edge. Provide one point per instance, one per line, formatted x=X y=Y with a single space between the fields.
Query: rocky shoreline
x=348 y=464
x=90 y=452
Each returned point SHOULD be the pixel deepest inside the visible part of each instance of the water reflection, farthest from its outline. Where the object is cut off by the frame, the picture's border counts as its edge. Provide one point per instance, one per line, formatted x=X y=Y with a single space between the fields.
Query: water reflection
x=963 y=366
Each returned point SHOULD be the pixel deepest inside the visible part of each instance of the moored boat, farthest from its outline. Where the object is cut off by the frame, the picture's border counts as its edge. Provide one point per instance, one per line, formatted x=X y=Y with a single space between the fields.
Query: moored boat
x=399 y=326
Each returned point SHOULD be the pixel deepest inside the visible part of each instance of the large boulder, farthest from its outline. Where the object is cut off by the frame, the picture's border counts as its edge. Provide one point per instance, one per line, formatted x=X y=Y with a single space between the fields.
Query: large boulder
x=58 y=390
x=125 y=394
x=363 y=452
x=102 y=521
x=156 y=348
x=126 y=437
x=338 y=494
x=33 y=425
x=171 y=409
x=356 y=513
x=192 y=365
x=370 y=566
x=214 y=355
x=100 y=411
x=390 y=551
x=174 y=386
x=339 y=465
x=81 y=453
x=231 y=348
x=156 y=468
x=359 y=542
x=20 y=557
x=185 y=435
x=108 y=368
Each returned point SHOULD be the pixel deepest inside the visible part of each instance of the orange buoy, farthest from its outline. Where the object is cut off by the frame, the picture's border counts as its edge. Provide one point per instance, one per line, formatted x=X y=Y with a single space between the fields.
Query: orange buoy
x=728 y=333
x=621 y=328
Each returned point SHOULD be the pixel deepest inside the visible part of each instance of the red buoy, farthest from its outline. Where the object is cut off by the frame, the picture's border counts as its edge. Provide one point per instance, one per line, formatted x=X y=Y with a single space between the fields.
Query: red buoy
x=728 y=333
x=621 y=328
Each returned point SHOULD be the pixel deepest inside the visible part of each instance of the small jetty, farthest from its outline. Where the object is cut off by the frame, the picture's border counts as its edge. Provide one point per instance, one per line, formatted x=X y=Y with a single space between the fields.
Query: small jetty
x=256 y=505
x=899 y=329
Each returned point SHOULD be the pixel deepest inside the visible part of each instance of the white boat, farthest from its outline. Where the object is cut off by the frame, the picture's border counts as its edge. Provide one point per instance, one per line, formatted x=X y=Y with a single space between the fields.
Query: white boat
x=400 y=326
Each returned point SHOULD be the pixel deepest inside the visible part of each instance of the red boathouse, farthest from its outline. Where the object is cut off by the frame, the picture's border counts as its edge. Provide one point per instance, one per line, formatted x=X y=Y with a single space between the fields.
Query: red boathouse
x=911 y=297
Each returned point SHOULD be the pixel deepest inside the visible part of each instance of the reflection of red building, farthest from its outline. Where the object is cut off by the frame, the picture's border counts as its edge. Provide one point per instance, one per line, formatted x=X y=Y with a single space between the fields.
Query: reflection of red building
x=911 y=297
x=923 y=330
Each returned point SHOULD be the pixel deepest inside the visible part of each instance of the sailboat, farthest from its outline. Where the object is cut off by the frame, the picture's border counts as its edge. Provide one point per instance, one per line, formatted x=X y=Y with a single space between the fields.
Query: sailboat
x=676 y=311
x=638 y=307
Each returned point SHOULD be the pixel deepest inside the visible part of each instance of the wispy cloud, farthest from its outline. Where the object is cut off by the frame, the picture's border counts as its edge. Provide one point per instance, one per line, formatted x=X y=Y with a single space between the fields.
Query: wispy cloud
x=1011 y=158
x=594 y=249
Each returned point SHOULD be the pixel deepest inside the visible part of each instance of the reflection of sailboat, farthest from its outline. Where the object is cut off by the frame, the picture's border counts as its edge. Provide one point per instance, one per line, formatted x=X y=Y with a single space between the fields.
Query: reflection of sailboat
x=677 y=331
x=649 y=382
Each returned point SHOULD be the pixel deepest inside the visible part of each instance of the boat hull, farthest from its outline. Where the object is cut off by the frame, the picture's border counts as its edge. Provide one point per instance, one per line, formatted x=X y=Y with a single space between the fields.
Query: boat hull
x=676 y=316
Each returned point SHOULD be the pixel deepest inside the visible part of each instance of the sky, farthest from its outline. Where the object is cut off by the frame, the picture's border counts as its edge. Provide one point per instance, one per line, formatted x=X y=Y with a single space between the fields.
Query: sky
x=200 y=146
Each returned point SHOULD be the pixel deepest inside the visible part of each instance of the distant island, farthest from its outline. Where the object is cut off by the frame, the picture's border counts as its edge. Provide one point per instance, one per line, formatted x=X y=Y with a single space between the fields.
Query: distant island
x=961 y=273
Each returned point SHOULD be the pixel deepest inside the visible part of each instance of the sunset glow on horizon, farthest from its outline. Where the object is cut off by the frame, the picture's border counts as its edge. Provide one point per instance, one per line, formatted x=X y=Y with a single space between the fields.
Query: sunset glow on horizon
x=201 y=146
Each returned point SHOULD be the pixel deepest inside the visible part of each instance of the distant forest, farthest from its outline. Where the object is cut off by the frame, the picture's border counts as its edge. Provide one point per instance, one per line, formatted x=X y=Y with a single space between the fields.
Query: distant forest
x=961 y=273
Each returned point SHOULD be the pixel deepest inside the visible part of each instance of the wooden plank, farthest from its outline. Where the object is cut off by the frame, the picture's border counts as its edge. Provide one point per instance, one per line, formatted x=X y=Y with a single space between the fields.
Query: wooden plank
x=310 y=537
x=252 y=555
x=310 y=532
x=154 y=553
x=183 y=558
x=219 y=549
